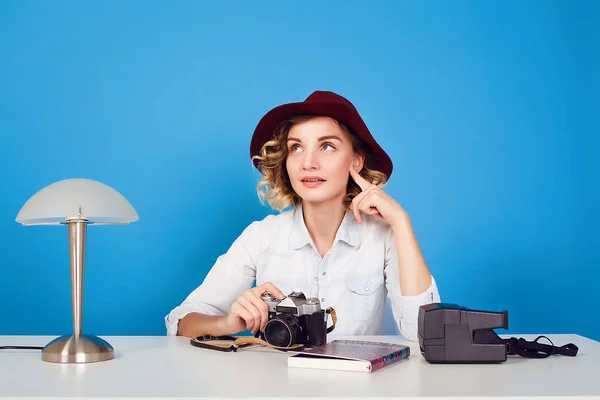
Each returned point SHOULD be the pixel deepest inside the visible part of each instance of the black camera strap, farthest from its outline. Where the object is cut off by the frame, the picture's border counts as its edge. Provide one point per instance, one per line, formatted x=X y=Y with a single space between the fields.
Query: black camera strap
x=526 y=348
x=533 y=349
x=234 y=343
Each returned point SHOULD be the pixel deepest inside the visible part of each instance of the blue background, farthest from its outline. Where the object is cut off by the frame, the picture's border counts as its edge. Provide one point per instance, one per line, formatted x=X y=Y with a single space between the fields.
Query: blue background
x=488 y=109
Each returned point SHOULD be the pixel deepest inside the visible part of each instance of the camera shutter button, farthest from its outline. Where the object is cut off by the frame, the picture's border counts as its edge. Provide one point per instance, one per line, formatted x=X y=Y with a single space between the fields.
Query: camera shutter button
x=267 y=296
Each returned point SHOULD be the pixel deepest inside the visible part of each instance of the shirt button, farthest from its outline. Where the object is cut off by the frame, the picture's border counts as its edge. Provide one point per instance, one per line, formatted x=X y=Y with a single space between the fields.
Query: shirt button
x=316 y=279
x=366 y=289
x=324 y=273
x=322 y=299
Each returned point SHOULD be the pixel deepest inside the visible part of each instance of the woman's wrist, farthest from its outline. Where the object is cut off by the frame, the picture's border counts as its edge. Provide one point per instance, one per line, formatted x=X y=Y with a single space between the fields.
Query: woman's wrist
x=402 y=223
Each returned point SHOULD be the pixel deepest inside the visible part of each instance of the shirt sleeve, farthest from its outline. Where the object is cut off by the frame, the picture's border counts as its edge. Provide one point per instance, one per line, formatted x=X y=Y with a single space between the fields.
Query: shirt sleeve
x=405 y=308
x=232 y=274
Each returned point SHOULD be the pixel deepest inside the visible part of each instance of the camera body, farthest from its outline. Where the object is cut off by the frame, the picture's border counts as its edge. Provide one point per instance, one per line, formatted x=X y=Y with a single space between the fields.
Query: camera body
x=295 y=320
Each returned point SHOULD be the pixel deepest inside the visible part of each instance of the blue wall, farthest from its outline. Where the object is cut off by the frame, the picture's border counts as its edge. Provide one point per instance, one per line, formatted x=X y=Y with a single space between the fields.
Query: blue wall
x=486 y=108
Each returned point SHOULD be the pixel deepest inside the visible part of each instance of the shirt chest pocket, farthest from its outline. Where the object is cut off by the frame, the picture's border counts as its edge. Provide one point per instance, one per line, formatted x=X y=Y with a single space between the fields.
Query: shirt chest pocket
x=366 y=296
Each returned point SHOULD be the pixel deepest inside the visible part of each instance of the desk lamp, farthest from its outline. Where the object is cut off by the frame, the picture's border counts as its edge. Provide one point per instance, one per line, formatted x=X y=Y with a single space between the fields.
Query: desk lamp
x=77 y=203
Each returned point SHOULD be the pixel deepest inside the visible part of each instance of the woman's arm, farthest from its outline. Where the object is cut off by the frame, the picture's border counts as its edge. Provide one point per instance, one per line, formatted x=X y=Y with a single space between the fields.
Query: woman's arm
x=196 y=324
x=408 y=279
x=247 y=312
x=415 y=276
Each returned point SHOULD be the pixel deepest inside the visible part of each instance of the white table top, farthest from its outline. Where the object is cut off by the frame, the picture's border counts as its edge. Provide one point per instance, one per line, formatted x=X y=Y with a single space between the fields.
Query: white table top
x=169 y=367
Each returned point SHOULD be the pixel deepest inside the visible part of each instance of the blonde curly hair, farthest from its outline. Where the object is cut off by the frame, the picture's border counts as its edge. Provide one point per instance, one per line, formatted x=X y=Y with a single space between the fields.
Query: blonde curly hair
x=275 y=187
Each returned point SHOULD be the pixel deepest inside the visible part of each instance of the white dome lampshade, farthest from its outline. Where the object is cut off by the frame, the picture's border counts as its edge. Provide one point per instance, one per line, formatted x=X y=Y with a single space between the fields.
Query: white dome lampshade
x=71 y=198
x=77 y=203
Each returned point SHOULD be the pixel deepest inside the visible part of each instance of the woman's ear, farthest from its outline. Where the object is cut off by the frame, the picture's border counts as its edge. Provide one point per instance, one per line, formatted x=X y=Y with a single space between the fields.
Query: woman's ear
x=358 y=162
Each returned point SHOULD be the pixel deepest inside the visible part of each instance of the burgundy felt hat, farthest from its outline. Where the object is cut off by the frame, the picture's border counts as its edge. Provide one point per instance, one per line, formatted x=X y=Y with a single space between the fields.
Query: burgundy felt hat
x=322 y=103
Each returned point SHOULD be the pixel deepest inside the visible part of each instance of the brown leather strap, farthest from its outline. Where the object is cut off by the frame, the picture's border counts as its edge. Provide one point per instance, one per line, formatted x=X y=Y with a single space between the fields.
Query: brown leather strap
x=331 y=311
x=245 y=341
x=235 y=344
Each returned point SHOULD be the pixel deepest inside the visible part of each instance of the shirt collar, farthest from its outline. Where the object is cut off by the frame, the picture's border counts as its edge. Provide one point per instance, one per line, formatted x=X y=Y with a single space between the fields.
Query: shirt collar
x=346 y=232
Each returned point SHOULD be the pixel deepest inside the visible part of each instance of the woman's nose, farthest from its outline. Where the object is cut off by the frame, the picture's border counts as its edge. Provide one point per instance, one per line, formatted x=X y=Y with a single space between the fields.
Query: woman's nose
x=311 y=160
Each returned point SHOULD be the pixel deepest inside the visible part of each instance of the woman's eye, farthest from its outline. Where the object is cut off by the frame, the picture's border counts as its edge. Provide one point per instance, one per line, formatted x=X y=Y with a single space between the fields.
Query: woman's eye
x=328 y=146
x=294 y=148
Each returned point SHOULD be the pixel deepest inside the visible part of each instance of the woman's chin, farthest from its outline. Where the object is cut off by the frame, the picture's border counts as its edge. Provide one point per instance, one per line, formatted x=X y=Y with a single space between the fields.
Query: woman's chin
x=317 y=197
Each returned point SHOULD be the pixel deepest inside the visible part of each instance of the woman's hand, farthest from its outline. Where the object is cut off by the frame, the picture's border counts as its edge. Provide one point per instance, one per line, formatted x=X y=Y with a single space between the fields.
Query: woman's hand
x=374 y=201
x=249 y=311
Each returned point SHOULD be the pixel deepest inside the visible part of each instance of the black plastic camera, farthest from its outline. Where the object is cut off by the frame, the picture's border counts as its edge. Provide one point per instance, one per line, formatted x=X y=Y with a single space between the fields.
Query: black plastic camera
x=295 y=320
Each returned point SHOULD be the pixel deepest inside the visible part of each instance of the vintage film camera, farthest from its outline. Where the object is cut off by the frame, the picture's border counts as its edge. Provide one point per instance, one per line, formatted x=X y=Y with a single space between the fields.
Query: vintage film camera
x=295 y=320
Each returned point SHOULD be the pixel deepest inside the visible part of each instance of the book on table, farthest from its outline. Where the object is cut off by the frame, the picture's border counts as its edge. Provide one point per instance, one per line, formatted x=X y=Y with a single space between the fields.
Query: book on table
x=349 y=355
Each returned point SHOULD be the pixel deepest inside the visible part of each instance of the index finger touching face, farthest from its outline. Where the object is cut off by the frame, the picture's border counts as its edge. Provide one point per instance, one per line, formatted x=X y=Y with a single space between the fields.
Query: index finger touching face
x=360 y=181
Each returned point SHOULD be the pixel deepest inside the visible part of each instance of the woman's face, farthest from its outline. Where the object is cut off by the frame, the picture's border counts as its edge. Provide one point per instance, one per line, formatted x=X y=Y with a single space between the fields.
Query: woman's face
x=319 y=158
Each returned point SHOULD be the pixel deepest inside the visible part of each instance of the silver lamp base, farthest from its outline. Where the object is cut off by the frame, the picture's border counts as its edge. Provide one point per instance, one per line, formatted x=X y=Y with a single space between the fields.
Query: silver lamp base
x=70 y=349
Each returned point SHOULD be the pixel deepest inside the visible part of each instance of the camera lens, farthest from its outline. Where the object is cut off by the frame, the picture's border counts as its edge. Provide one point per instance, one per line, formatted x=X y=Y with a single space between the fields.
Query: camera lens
x=283 y=330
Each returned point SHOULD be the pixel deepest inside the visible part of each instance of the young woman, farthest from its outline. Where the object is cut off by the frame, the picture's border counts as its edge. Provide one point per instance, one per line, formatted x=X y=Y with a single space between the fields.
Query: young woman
x=338 y=236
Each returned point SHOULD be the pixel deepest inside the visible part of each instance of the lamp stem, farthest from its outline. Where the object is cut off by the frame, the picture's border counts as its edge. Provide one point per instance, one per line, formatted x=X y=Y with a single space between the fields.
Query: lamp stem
x=79 y=347
x=77 y=238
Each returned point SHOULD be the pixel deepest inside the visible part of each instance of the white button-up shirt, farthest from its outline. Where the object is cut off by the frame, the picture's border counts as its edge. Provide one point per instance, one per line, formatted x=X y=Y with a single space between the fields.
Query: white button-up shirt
x=355 y=277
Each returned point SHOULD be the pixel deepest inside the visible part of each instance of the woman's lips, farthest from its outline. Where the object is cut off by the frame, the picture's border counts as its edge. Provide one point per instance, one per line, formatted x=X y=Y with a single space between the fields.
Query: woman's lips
x=312 y=181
